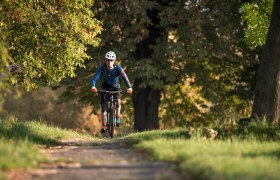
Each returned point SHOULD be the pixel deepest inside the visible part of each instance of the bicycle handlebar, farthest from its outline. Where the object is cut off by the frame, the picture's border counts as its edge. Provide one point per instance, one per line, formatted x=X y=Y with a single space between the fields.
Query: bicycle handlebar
x=109 y=92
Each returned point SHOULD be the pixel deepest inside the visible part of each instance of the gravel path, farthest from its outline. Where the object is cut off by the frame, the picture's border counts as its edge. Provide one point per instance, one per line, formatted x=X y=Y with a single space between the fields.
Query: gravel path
x=98 y=159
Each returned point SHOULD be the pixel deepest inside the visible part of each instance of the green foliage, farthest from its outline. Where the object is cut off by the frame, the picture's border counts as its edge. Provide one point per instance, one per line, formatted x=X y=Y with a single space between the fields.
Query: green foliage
x=182 y=105
x=46 y=41
x=200 y=40
x=204 y=159
x=209 y=50
x=257 y=15
x=259 y=130
x=43 y=104
x=4 y=56
x=246 y=128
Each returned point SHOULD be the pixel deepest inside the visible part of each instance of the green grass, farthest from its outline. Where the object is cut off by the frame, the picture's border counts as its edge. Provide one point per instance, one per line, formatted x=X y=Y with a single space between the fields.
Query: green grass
x=19 y=142
x=259 y=130
x=34 y=131
x=233 y=158
x=17 y=154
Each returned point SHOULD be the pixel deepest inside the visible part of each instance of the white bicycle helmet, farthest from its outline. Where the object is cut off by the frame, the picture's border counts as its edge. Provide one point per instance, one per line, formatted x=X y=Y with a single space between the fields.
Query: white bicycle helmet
x=110 y=55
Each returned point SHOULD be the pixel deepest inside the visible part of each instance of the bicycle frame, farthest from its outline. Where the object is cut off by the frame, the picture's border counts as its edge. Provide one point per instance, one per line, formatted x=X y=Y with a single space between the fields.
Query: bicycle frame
x=111 y=111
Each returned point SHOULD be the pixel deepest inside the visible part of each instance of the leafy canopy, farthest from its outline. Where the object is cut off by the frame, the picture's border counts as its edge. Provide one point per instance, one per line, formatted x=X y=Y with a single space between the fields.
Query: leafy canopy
x=257 y=15
x=42 y=42
x=198 y=40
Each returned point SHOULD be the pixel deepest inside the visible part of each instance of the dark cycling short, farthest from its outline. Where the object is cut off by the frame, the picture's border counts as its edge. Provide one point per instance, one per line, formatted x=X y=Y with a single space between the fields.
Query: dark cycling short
x=106 y=97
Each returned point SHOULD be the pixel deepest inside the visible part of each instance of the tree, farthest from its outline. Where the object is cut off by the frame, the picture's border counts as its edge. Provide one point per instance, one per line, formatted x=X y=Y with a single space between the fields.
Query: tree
x=42 y=42
x=161 y=43
x=267 y=93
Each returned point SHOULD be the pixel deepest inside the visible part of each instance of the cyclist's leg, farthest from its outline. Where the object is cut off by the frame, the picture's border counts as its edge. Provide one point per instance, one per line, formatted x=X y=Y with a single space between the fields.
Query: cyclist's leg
x=118 y=112
x=118 y=108
x=103 y=110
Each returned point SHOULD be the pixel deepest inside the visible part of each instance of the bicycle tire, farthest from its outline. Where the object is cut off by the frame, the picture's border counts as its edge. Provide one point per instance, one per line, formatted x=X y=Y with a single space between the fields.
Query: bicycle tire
x=112 y=122
x=108 y=129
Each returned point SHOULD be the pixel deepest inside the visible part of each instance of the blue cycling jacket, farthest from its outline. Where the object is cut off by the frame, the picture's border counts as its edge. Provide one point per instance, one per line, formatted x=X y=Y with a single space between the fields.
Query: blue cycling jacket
x=110 y=77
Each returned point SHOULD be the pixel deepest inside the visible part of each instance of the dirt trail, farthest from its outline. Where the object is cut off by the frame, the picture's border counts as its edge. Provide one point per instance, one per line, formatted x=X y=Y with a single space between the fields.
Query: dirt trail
x=98 y=159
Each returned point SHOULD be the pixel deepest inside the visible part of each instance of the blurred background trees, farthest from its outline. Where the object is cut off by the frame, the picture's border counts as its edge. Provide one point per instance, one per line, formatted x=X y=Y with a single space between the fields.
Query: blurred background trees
x=187 y=59
x=190 y=62
x=45 y=104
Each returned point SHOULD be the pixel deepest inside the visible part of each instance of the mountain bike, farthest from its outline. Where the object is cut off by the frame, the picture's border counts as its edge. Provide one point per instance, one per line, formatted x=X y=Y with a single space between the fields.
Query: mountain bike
x=111 y=110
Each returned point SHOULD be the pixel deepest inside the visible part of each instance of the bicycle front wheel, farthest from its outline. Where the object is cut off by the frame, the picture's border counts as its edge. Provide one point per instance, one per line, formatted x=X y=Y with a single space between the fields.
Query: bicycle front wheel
x=112 y=118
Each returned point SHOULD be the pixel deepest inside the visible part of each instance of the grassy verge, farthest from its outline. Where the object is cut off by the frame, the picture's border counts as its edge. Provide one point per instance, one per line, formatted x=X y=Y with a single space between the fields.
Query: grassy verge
x=17 y=154
x=232 y=158
x=19 y=140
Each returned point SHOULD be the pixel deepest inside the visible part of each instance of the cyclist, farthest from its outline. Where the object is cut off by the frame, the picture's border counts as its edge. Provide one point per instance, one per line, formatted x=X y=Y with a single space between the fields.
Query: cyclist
x=109 y=72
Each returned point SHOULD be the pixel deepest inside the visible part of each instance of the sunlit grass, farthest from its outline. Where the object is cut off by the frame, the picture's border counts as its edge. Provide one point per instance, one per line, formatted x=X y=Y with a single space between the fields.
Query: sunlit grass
x=19 y=142
x=219 y=159
x=35 y=131
x=17 y=154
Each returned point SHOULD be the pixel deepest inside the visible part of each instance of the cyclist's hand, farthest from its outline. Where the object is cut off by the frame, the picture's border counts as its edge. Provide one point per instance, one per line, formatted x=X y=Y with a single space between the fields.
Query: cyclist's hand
x=129 y=90
x=93 y=89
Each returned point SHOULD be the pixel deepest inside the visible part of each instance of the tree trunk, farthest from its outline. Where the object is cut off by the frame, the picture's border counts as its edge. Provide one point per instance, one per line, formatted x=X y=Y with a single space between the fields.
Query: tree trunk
x=267 y=93
x=146 y=104
x=146 y=100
